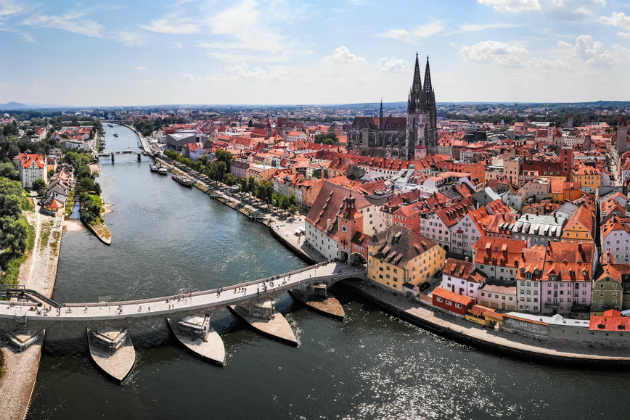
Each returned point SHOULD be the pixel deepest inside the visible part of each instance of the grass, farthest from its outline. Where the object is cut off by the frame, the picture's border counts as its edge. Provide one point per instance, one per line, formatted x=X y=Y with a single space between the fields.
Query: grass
x=12 y=270
x=30 y=239
x=70 y=203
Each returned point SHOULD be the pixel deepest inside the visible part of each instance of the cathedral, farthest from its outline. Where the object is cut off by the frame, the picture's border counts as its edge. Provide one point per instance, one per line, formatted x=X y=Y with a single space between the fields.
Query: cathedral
x=398 y=137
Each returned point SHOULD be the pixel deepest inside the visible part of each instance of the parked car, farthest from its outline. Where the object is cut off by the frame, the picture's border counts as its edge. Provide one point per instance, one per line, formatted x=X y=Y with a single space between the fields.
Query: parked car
x=425 y=286
x=438 y=274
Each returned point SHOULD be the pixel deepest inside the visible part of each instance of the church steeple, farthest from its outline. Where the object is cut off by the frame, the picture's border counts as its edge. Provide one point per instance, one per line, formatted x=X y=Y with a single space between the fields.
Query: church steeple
x=428 y=88
x=380 y=114
x=417 y=82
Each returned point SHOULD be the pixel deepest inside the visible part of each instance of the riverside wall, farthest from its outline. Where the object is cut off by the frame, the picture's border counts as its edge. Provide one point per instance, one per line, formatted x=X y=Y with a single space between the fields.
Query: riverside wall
x=557 y=352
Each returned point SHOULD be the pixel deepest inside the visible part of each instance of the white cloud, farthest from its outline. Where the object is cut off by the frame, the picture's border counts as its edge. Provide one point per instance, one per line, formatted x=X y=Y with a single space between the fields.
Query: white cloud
x=176 y=45
x=140 y=68
x=73 y=21
x=392 y=65
x=400 y=34
x=565 y=10
x=129 y=39
x=511 y=5
x=494 y=52
x=429 y=29
x=164 y=27
x=244 y=32
x=27 y=37
x=232 y=72
x=342 y=55
x=469 y=28
x=420 y=32
x=8 y=8
x=618 y=20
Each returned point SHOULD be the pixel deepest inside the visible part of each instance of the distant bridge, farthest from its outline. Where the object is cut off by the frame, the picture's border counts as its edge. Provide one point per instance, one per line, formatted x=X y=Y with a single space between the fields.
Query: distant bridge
x=123 y=314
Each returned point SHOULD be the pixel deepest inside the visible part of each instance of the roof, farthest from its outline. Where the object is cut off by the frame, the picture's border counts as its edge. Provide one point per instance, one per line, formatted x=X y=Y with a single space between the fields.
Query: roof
x=454 y=297
x=569 y=261
x=498 y=251
x=398 y=245
x=27 y=160
x=610 y=321
x=463 y=270
x=506 y=290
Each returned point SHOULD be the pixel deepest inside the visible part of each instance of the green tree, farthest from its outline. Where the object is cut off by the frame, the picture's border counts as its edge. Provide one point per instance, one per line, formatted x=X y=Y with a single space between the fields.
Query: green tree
x=250 y=123
x=224 y=156
x=264 y=191
x=7 y=170
x=329 y=138
x=39 y=185
x=229 y=180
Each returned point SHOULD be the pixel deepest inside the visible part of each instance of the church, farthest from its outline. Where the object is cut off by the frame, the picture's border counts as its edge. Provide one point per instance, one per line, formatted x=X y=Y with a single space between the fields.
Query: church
x=398 y=137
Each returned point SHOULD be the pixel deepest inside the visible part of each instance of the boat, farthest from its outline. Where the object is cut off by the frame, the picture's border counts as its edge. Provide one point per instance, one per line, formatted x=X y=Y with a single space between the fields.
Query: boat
x=196 y=333
x=110 y=125
x=154 y=168
x=162 y=170
x=112 y=351
x=183 y=180
x=115 y=134
x=105 y=153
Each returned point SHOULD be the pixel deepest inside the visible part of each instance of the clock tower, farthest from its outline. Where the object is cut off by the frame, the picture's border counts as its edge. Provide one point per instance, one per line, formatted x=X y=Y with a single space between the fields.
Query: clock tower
x=350 y=221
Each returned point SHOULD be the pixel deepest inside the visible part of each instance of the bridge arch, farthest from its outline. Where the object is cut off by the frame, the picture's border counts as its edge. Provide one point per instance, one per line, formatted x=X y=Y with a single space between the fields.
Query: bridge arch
x=357 y=258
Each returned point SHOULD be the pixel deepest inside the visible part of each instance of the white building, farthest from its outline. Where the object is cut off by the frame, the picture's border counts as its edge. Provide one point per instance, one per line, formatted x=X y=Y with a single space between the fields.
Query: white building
x=461 y=277
x=30 y=167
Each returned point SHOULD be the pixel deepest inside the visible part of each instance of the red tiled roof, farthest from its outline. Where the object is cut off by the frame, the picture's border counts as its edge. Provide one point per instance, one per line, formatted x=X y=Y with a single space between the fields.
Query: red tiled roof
x=454 y=297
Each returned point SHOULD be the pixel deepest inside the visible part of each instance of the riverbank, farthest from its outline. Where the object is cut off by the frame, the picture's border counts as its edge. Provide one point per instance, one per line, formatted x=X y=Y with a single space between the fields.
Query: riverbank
x=496 y=342
x=39 y=273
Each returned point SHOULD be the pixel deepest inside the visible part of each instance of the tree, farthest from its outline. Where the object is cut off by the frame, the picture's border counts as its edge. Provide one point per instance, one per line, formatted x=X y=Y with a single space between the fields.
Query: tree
x=329 y=138
x=250 y=123
x=7 y=170
x=229 y=180
x=264 y=191
x=39 y=185
x=224 y=156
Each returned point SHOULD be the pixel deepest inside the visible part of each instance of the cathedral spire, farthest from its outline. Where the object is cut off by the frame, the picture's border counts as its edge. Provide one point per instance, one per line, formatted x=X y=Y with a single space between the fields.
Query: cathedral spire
x=417 y=83
x=380 y=120
x=428 y=88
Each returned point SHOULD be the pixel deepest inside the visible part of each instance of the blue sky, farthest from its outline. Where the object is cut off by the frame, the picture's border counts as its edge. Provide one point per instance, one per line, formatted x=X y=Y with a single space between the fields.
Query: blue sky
x=150 y=52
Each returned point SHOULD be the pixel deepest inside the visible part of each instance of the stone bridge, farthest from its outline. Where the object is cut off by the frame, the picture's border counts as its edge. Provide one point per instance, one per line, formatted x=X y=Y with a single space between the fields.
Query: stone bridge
x=19 y=315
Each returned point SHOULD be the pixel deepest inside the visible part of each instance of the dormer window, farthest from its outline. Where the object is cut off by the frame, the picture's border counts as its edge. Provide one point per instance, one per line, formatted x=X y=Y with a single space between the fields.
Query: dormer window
x=584 y=273
x=571 y=273
x=528 y=275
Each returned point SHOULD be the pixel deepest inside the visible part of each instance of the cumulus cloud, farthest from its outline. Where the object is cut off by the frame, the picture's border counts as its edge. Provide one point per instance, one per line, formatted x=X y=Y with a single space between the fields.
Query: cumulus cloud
x=511 y=56
x=392 y=65
x=619 y=20
x=494 y=52
x=342 y=55
x=164 y=26
x=140 y=68
x=230 y=73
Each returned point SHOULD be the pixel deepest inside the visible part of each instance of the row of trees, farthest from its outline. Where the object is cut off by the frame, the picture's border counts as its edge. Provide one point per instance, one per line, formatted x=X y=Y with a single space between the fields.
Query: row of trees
x=579 y=118
x=86 y=189
x=148 y=126
x=219 y=170
x=13 y=226
x=329 y=138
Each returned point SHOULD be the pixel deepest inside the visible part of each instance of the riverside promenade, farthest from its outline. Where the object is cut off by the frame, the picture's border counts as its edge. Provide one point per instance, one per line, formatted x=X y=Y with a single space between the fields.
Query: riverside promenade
x=39 y=273
x=497 y=342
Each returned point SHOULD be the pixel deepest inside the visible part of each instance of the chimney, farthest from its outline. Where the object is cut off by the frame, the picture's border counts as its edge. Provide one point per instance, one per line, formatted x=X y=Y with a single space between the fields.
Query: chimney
x=522 y=254
x=466 y=259
x=327 y=223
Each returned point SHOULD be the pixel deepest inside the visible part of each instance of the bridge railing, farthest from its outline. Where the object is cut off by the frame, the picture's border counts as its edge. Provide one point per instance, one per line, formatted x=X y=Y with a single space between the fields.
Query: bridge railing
x=199 y=293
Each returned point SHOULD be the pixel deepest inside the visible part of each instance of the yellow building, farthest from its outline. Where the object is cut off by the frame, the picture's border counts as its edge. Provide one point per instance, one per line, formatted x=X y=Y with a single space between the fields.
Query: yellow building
x=579 y=227
x=261 y=172
x=589 y=177
x=400 y=255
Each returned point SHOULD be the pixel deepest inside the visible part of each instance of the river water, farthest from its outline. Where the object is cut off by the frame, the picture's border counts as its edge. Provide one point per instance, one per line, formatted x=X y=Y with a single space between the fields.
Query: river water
x=168 y=239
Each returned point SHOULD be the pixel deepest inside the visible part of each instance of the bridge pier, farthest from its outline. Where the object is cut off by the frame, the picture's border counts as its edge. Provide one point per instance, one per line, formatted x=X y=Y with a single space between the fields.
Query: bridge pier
x=112 y=351
x=196 y=333
x=317 y=298
x=19 y=337
x=261 y=316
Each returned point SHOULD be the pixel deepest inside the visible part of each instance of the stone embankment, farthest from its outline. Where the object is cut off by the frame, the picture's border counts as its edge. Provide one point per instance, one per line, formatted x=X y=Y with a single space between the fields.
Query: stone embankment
x=497 y=342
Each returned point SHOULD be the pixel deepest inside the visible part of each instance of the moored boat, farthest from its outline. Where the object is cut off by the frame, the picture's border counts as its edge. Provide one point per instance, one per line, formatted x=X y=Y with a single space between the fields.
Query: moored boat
x=112 y=351
x=154 y=167
x=162 y=170
x=115 y=134
x=183 y=180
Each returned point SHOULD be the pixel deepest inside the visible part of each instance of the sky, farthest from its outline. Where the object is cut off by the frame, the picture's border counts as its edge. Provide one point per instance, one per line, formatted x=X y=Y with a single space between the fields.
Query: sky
x=287 y=52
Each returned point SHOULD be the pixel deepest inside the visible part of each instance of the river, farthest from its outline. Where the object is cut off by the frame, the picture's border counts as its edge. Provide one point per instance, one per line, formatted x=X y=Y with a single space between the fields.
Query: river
x=168 y=239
